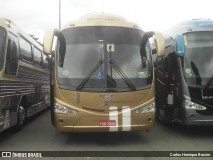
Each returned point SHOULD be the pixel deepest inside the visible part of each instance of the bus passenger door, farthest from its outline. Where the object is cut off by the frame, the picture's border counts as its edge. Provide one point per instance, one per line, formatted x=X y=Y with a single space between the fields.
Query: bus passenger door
x=161 y=85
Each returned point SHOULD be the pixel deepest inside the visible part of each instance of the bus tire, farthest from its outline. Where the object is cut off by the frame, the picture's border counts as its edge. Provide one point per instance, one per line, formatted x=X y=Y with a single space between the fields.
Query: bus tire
x=21 y=115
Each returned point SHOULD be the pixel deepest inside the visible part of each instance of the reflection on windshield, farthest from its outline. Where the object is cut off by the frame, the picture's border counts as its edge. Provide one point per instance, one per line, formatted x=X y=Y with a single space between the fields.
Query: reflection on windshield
x=79 y=60
x=122 y=74
x=86 y=46
x=198 y=58
x=85 y=80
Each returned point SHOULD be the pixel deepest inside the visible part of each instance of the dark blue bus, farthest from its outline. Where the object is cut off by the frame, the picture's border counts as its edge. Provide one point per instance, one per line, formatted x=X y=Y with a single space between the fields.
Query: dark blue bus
x=184 y=75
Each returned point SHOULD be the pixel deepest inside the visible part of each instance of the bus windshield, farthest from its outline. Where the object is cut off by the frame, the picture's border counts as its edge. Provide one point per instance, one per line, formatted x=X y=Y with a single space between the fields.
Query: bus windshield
x=2 y=47
x=198 y=58
x=105 y=59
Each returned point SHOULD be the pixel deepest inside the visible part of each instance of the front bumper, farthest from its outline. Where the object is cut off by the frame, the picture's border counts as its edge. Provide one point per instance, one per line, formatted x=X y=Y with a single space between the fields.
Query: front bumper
x=141 y=122
x=194 y=118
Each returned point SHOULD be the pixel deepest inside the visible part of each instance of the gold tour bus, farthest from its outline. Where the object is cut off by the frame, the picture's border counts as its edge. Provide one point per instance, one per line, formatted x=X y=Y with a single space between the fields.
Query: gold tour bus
x=102 y=75
x=24 y=76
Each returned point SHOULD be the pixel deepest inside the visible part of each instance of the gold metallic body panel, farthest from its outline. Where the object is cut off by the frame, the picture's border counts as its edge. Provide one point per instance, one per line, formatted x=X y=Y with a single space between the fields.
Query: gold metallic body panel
x=91 y=110
x=93 y=107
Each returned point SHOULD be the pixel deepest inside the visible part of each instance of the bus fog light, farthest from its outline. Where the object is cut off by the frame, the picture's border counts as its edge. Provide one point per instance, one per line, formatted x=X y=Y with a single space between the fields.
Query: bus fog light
x=61 y=121
x=64 y=110
x=192 y=105
x=147 y=109
x=150 y=120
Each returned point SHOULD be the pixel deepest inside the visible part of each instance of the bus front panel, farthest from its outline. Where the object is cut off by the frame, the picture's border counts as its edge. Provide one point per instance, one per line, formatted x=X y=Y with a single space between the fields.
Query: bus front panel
x=104 y=80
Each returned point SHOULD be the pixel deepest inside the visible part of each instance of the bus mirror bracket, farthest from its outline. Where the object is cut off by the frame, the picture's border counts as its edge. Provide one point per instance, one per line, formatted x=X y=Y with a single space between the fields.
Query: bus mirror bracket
x=179 y=45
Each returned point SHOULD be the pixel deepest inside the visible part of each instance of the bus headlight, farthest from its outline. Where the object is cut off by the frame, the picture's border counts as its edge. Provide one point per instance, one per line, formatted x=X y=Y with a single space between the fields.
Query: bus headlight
x=147 y=109
x=58 y=108
x=192 y=105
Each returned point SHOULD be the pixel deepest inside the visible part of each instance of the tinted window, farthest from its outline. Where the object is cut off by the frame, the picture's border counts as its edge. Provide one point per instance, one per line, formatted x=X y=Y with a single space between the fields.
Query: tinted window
x=2 y=47
x=118 y=48
x=12 y=55
x=37 y=57
x=198 y=58
x=25 y=50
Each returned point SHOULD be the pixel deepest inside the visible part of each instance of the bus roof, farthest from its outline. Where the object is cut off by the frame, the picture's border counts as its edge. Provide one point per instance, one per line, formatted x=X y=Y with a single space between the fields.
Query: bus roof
x=191 y=25
x=198 y=23
x=12 y=27
x=101 y=19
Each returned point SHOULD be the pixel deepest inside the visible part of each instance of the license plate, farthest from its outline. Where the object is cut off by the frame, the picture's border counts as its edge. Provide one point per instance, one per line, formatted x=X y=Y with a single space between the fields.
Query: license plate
x=107 y=123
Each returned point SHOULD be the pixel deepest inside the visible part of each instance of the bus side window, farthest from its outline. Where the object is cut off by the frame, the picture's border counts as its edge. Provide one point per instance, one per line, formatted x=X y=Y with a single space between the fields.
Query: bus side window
x=37 y=58
x=11 y=58
x=25 y=51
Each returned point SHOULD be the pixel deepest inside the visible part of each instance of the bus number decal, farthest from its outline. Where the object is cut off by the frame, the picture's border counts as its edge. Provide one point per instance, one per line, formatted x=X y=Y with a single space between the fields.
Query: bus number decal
x=107 y=123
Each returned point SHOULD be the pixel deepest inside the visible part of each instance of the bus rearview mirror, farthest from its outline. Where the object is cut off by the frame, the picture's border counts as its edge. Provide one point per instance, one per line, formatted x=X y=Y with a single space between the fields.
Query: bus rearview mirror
x=49 y=44
x=179 y=45
x=3 y=24
x=160 y=43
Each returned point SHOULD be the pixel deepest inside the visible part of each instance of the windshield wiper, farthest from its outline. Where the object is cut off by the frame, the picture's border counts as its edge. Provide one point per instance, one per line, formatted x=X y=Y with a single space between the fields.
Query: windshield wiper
x=122 y=74
x=85 y=80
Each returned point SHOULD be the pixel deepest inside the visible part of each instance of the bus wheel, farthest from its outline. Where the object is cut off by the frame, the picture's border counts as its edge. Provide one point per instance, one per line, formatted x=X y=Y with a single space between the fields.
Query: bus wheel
x=20 y=118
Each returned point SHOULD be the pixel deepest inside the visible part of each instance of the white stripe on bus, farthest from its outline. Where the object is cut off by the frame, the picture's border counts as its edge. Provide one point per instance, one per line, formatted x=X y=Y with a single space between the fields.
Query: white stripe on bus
x=126 y=118
x=113 y=115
